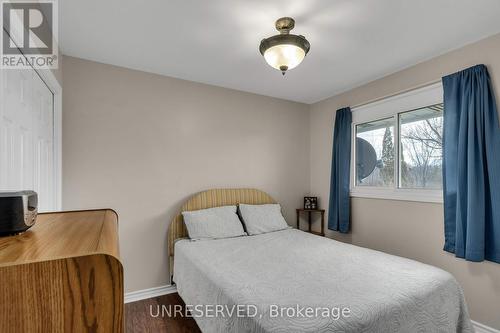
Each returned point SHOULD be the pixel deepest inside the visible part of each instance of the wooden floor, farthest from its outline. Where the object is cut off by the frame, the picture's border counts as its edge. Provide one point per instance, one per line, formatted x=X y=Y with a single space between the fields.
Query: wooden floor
x=141 y=316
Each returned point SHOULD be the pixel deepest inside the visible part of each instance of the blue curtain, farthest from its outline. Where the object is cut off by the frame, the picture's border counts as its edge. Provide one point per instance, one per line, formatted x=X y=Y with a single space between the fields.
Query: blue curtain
x=338 y=212
x=471 y=166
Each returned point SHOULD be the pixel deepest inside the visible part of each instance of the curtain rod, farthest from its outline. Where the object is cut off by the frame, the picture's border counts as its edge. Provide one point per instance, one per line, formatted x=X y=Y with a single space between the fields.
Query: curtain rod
x=430 y=83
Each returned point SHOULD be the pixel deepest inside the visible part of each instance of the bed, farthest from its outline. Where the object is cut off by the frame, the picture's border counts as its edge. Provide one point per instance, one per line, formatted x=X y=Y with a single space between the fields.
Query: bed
x=280 y=275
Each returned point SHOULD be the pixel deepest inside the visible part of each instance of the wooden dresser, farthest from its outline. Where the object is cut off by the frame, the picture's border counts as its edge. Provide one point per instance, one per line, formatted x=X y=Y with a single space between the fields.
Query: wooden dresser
x=63 y=275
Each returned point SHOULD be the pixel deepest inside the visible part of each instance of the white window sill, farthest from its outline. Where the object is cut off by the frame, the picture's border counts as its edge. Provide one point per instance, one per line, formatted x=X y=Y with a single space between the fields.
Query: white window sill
x=435 y=196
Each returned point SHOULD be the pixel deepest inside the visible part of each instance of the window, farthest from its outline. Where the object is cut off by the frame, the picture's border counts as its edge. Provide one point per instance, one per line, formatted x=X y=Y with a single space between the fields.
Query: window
x=375 y=153
x=397 y=147
x=421 y=140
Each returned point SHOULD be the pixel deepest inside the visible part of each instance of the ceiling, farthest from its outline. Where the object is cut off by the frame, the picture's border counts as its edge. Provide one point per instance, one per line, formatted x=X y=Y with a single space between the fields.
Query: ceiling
x=216 y=42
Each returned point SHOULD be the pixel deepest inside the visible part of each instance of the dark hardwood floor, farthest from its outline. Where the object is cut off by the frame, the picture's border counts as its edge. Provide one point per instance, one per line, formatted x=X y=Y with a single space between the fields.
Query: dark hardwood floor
x=146 y=316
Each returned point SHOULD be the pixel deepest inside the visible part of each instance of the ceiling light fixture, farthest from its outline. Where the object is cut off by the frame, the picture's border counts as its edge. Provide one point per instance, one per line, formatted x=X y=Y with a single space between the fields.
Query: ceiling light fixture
x=284 y=51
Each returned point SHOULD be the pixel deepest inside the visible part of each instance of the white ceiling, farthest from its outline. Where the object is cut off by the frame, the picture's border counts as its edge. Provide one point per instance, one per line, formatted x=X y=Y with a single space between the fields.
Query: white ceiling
x=216 y=41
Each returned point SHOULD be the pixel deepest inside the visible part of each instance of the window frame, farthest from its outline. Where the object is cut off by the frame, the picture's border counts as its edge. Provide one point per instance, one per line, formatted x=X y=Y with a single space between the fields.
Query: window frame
x=391 y=107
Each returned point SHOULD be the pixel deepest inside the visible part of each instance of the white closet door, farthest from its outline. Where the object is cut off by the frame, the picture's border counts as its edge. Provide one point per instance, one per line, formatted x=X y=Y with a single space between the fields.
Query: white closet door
x=27 y=135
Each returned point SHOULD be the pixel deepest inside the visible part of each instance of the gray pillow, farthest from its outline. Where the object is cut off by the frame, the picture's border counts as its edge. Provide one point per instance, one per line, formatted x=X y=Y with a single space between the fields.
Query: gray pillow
x=212 y=223
x=260 y=219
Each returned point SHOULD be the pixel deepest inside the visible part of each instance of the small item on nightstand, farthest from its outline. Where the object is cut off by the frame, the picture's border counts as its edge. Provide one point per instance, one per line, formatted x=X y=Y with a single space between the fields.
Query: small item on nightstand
x=310 y=202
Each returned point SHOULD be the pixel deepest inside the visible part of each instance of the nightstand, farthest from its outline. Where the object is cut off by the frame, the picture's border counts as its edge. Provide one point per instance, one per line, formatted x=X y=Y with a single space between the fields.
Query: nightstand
x=309 y=213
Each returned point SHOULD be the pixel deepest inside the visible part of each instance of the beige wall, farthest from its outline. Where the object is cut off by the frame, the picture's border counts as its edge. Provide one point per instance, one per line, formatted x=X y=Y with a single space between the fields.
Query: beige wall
x=143 y=143
x=410 y=229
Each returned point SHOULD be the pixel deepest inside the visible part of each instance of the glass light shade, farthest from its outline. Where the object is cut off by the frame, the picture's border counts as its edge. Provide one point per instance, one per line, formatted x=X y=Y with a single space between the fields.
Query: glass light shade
x=284 y=55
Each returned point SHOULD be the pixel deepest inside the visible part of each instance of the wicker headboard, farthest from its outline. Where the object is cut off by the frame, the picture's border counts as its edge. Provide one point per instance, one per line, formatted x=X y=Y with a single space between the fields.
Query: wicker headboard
x=209 y=199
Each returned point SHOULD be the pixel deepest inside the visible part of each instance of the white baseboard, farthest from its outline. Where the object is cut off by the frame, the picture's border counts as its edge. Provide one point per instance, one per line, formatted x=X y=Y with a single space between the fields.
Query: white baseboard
x=481 y=328
x=149 y=293
x=169 y=289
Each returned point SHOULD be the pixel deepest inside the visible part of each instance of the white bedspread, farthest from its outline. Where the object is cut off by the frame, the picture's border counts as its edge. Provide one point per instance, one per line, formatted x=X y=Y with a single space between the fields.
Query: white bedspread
x=290 y=268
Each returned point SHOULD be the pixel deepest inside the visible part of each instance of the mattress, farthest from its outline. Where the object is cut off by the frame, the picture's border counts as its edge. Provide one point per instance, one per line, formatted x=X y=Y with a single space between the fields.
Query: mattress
x=273 y=279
